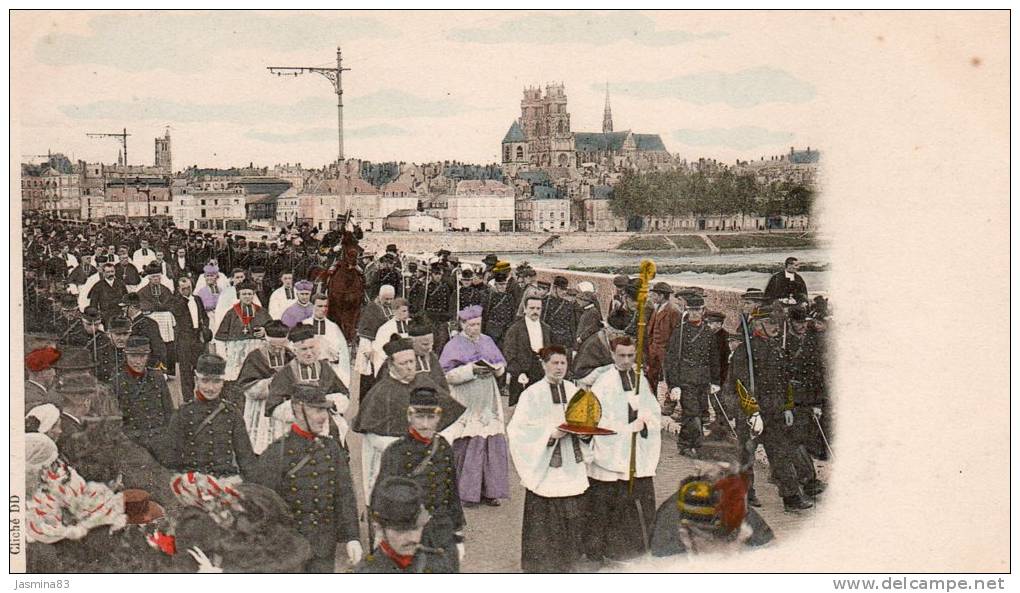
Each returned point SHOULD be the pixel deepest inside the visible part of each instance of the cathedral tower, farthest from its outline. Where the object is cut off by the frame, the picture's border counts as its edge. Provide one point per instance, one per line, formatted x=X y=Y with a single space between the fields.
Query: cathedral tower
x=607 y=115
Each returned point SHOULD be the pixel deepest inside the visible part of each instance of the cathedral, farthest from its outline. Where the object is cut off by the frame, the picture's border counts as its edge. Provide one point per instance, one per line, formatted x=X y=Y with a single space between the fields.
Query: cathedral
x=542 y=139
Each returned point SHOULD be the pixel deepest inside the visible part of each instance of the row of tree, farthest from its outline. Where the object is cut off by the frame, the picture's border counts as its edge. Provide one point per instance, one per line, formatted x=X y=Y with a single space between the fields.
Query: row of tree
x=683 y=193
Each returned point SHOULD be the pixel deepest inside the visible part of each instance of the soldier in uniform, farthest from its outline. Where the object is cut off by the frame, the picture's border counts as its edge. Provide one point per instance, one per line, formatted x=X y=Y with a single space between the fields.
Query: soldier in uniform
x=75 y=330
x=312 y=474
x=427 y=458
x=691 y=373
x=807 y=382
x=143 y=397
x=763 y=374
x=470 y=292
x=559 y=314
x=439 y=305
x=207 y=434
x=499 y=308
x=398 y=510
x=107 y=350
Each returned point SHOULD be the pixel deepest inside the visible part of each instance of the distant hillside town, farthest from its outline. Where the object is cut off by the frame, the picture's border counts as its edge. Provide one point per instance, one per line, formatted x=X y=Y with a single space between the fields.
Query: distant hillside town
x=550 y=179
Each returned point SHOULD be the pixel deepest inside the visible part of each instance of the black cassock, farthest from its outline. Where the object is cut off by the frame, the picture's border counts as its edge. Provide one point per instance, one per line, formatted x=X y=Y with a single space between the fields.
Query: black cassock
x=520 y=358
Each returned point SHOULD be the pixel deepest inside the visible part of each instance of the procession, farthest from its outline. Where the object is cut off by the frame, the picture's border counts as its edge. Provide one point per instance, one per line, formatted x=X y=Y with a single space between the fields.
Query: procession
x=204 y=402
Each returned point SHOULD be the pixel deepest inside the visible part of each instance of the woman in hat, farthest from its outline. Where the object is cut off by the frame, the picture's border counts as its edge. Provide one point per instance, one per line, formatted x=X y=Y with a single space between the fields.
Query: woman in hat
x=472 y=362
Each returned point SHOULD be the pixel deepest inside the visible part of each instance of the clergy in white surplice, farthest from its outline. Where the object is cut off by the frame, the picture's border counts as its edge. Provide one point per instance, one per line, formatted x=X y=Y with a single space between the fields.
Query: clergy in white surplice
x=397 y=325
x=282 y=297
x=332 y=342
x=253 y=382
x=553 y=470
x=614 y=520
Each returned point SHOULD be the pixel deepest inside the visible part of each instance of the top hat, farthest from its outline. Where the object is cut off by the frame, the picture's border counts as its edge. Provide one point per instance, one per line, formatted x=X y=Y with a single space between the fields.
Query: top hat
x=583 y=414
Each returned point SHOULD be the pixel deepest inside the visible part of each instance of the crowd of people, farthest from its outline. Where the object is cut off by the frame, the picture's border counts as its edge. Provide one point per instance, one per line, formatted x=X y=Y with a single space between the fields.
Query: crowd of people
x=189 y=406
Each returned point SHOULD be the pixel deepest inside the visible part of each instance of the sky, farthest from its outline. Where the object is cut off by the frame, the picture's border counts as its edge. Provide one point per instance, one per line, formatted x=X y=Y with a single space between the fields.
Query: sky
x=423 y=86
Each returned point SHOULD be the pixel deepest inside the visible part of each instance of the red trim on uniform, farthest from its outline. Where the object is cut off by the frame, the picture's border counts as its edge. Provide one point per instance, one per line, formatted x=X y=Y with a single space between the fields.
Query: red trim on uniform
x=133 y=373
x=398 y=559
x=200 y=397
x=695 y=323
x=301 y=432
x=417 y=436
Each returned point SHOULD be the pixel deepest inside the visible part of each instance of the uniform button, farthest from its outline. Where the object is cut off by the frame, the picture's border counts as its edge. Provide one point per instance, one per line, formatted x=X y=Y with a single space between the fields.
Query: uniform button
x=315 y=487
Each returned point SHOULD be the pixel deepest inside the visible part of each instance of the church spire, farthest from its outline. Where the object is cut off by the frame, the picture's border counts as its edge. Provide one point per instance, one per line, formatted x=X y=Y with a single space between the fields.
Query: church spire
x=607 y=115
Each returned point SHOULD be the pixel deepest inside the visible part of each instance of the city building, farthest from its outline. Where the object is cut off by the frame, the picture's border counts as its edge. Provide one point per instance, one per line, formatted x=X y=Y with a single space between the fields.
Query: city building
x=162 y=160
x=210 y=206
x=412 y=221
x=138 y=199
x=478 y=205
x=544 y=210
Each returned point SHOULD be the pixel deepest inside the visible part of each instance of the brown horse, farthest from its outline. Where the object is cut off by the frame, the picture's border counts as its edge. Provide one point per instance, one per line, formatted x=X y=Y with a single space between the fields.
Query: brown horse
x=346 y=286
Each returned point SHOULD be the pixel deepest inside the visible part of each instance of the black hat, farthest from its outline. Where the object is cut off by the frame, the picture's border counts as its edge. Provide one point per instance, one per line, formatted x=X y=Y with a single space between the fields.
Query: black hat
x=397 y=503
x=715 y=316
x=276 y=329
x=443 y=253
x=102 y=259
x=312 y=396
x=258 y=270
x=397 y=344
x=620 y=281
x=618 y=320
x=211 y=365
x=153 y=268
x=467 y=274
x=560 y=282
x=419 y=326
x=91 y=314
x=300 y=333
x=391 y=248
x=131 y=299
x=436 y=267
x=631 y=290
x=246 y=285
x=424 y=397
x=138 y=345
x=412 y=266
x=542 y=284
x=119 y=325
x=753 y=294
x=694 y=301
x=499 y=276
x=662 y=288
x=490 y=259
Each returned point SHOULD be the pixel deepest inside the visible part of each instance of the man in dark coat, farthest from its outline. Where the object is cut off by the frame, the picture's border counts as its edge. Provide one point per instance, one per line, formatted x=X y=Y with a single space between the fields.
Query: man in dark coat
x=191 y=333
x=374 y=314
x=521 y=344
x=126 y=271
x=107 y=349
x=155 y=296
x=427 y=458
x=106 y=294
x=398 y=509
x=595 y=354
x=207 y=434
x=143 y=397
x=692 y=373
x=589 y=316
x=147 y=328
x=665 y=317
x=559 y=314
x=788 y=284
x=312 y=474
x=807 y=381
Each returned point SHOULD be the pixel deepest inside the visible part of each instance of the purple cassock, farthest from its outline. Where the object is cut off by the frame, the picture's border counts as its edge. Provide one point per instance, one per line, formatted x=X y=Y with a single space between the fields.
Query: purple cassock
x=209 y=298
x=479 y=435
x=296 y=313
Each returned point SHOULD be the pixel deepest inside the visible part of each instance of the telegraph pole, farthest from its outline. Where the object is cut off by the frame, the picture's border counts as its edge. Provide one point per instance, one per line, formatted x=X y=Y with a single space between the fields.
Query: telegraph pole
x=335 y=76
x=121 y=137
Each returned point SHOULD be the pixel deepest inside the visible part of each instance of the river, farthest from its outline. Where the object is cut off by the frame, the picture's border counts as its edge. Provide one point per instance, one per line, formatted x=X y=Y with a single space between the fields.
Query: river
x=738 y=279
